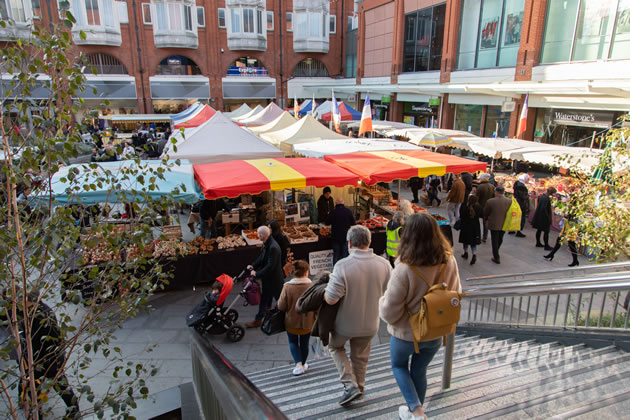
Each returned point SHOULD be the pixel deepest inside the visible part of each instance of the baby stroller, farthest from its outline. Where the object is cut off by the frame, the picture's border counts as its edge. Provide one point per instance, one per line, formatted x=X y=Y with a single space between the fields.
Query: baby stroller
x=215 y=319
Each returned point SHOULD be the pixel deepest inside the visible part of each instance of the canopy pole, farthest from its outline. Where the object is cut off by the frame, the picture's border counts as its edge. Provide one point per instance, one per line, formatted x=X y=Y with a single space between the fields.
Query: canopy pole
x=399 y=190
x=593 y=140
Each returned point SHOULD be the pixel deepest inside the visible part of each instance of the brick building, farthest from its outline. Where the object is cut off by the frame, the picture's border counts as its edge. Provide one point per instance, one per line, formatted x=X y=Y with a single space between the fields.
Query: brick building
x=161 y=55
x=469 y=64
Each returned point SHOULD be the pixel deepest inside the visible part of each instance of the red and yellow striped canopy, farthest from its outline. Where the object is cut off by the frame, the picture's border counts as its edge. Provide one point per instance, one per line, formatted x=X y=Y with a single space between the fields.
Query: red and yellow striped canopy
x=233 y=178
x=387 y=166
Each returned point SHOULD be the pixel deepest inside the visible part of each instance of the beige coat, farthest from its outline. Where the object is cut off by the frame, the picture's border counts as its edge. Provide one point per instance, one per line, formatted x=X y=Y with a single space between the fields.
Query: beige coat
x=495 y=210
x=291 y=292
x=457 y=192
x=405 y=291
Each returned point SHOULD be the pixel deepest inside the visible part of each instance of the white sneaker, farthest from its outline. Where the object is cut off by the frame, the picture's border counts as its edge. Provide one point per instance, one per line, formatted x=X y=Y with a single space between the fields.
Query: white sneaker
x=405 y=414
x=305 y=367
x=298 y=370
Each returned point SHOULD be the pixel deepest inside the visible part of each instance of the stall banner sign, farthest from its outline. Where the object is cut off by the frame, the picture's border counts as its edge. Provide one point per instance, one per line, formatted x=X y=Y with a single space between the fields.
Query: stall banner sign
x=320 y=261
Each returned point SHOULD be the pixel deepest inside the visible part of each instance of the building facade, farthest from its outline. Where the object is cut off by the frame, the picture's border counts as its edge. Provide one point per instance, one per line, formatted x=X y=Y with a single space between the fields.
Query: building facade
x=161 y=55
x=470 y=65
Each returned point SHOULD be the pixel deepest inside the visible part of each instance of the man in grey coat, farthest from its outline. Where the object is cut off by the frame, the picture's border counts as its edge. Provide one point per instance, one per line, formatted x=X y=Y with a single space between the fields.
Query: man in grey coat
x=360 y=279
x=494 y=214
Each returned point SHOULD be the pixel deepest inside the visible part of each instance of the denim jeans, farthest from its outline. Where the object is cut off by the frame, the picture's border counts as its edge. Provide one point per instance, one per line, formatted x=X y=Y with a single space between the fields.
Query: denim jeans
x=473 y=248
x=340 y=250
x=298 y=345
x=412 y=379
x=206 y=229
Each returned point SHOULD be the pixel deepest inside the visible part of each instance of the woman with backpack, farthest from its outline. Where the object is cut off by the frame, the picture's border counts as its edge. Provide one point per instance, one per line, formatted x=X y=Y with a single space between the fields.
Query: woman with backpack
x=425 y=258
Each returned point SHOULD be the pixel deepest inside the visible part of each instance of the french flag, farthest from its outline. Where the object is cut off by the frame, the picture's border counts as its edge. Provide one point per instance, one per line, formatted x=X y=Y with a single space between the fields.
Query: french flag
x=366 y=117
x=522 y=122
x=336 y=115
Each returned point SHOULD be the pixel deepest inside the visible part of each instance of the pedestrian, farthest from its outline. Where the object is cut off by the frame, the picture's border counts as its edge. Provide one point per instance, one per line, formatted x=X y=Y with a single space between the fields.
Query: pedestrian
x=455 y=198
x=485 y=191
x=195 y=216
x=268 y=268
x=521 y=193
x=494 y=212
x=415 y=183
x=340 y=219
x=433 y=188
x=128 y=152
x=313 y=300
x=392 y=233
x=325 y=204
x=543 y=217
x=298 y=325
x=358 y=281
x=568 y=233
x=425 y=257
x=470 y=233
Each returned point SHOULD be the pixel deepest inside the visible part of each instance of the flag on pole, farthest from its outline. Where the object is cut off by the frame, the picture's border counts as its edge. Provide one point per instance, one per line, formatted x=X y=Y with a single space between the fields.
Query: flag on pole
x=336 y=115
x=296 y=107
x=522 y=122
x=313 y=106
x=366 y=117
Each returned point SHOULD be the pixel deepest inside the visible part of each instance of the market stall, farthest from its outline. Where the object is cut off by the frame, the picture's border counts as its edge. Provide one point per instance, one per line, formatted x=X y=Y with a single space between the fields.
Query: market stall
x=183 y=116
x=346 y=111
x=335 y=147
x=219 y=140
x=267 y=115
x=283 y=121
x=250 y=114
x=130 y=122
x=432 y=137
x=197 y=118
x=306 y=130
x=239 y=112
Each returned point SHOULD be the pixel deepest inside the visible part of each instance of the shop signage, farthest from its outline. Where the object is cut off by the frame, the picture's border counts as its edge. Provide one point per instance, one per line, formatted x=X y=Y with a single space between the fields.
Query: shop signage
x=247 y=71
x=508 y=106
x=434 y=102
x=489 y=33
x=386 y=99
x=320 y=261
x=584 y=118
x=417 y=108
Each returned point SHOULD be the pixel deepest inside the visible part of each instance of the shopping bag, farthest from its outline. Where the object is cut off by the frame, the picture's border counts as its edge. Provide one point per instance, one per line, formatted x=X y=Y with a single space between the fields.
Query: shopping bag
x=252 y=292
x=273 y=322
x=318 y=350
x=513 y=217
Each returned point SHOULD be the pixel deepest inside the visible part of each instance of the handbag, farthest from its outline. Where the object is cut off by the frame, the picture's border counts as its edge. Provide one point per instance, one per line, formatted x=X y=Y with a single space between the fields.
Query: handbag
x=273 y=322
x=458 y=225
x=252 y=292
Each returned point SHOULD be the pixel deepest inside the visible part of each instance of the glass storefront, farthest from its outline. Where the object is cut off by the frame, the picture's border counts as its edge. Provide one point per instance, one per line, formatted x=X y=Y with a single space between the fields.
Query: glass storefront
x=570 y=127
x=468 y=118
x=421 y=114
x=490 y=33
x=497 y=122
x=424 y=35
x=586 y=30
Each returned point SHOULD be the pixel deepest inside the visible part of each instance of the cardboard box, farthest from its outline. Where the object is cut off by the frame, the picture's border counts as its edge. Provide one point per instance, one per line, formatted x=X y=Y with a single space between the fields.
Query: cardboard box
x=230 y=218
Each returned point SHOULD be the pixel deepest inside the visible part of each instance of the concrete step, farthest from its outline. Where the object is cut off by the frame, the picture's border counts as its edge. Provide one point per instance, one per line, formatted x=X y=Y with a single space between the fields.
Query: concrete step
x=491 y=378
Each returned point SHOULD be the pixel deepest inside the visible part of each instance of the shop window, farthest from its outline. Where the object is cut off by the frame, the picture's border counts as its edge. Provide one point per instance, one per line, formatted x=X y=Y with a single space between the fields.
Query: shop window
x=468 y=118
x=222 y=18
x=14 y=10
x=489 y=33
x=310 y=67
x=333 y=24
x=586 y=30
x=246 y=20
x=424 y=33
x=106 y=64
x=201 y=17
x=178 y=65
x=270 y=21
x=497 y=122
x=146 y=13
x=247 y=67
x=289 y=22
x=174 y=16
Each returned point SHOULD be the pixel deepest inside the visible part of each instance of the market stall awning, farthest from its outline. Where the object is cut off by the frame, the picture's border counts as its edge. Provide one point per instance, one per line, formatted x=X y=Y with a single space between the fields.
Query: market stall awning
x=336 y=147
x=387 y=166
x=283 y=121
x=267 y=115
x=231 y=179
x=250 y=114
x=495 y=147
x=239 y=112
x=347 y=113
x=182 y=116
x=384 y=126
x=126 y=184
x=139 y=118
x=196 y=119
x=305 y=130
x=432 y=137
x=179 y=87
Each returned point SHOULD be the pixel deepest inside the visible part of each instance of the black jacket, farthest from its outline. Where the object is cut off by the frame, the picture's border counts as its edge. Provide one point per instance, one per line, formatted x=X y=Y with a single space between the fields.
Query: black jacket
x=283 y=243
x=542 y=215
x=324 y=207
x=268 y=267
x=522 y=196
x=470 y=234
x=312 y=300
x=340 y=219
x=210 y=208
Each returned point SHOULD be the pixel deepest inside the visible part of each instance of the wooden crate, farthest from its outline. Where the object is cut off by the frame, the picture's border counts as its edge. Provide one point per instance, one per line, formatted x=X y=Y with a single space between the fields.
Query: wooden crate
x=172 y=232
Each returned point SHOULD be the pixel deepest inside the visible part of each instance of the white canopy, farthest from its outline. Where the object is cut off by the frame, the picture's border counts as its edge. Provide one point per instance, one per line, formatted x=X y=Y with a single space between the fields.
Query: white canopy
x=249 y=114
x=576 y=158
x=267 y=115
x=335 y=147
x=305 y=130
x=283 y=121
x=433 y=137
x=219 y=140
x=384 y=126
x=495 y=147
x=242 y=110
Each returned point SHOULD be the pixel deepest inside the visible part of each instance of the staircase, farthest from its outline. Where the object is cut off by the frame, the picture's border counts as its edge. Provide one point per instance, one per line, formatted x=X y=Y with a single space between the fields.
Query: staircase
x=491 y=378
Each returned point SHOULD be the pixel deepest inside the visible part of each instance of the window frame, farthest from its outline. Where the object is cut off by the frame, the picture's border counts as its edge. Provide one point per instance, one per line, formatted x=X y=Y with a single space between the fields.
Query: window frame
x=332 y=27
x=317 y=25
x=273 y=25
x=33 y=15
x=221 y=10
x=203 y=14
x=289 y=18
x=253 y=18
x=147 y=7
x=183 y=7
x=122 y=5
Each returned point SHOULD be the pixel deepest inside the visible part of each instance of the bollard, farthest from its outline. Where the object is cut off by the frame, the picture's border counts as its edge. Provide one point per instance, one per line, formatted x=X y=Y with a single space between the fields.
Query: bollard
x=448 y=361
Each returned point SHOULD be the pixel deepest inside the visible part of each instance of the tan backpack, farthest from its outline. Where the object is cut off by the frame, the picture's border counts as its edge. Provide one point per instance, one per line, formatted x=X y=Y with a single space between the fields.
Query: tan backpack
x=439 y=311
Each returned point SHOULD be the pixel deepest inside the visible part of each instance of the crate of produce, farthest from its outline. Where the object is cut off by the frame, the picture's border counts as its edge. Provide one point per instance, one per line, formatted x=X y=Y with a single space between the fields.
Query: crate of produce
x=251 y=237
x=172 y=232
x=441 y=221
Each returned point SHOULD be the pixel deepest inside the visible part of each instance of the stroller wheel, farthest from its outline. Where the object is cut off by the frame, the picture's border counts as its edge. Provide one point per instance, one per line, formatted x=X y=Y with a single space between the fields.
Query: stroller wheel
x=236 y=333
x=232 y=314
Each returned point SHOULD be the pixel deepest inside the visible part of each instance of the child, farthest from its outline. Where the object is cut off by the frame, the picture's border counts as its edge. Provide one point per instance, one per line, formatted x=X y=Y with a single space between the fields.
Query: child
x=213 y=297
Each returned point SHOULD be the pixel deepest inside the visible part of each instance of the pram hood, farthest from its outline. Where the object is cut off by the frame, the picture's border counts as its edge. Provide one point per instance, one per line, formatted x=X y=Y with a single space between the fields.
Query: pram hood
x=228 y=283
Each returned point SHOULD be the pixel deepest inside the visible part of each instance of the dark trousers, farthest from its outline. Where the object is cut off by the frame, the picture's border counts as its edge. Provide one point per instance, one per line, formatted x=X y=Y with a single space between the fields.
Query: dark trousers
x=340 y=250
x=433 y=195
x=545 y=233
x=572 y=248
x=523 y=218
x=485 y=229
x=266 y=299
x=497 y=240
x=414 y=191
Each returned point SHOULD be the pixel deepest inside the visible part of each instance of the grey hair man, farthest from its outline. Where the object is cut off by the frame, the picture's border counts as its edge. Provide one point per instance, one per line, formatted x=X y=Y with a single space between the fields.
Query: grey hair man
x=268 y=268
x=360 y=279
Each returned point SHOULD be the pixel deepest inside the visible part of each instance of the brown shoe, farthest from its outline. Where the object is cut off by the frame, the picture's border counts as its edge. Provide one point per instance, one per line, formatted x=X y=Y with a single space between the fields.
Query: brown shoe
x=254 y=324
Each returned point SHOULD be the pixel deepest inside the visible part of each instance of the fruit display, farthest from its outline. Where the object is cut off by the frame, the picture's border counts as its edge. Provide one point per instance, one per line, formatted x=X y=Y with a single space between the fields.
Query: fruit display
x=201 y=245
x=376 y=222
x=169 y=249
x=299 y=234
x=417 y=208
x=230 y=241
x=324 y=232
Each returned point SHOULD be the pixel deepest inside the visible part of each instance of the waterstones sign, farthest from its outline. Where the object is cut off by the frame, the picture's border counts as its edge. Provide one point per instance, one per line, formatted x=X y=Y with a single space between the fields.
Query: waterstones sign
x=582 y=118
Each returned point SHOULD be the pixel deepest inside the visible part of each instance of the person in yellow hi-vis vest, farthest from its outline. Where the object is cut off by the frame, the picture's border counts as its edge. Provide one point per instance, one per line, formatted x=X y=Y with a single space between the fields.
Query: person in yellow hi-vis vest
x=393 y=236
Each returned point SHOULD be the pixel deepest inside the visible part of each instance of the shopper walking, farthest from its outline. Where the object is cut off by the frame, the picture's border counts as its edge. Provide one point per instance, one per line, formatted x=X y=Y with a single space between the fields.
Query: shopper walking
x=415 y=183
x=269 y=270
x=494 y=213
x=340 y=220
x=543 y=217
x=485 y=191
x=569 y=234
x=358 y=282
x=425 y=257
x=470 y=234
x=433 y=189
x=521 y=193
x=298 y=326
x=455 y=198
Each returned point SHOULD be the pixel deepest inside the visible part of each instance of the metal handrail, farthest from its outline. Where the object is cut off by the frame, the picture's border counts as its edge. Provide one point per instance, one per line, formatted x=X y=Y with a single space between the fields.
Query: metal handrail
x=223 y=391
x=612 y=277
x=564 y=272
